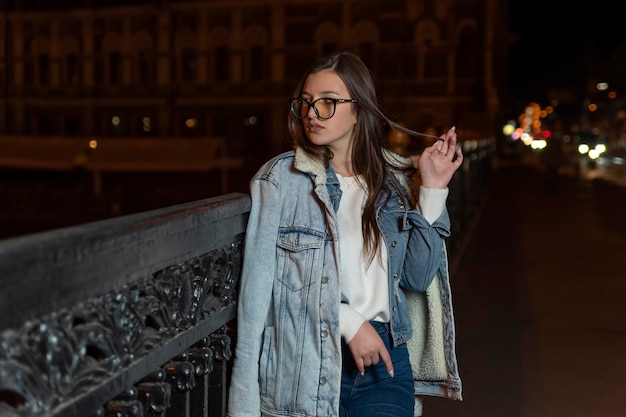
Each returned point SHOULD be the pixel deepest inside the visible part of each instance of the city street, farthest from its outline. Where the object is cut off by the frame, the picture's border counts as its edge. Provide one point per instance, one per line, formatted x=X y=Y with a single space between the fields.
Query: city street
x=539 y=304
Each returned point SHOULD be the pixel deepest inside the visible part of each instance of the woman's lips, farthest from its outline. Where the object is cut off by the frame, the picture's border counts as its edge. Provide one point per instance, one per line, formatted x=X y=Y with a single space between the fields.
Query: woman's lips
x=315 y=128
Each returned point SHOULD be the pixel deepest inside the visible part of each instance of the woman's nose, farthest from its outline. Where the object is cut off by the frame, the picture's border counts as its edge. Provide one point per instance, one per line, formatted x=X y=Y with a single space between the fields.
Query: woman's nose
x=311 y=110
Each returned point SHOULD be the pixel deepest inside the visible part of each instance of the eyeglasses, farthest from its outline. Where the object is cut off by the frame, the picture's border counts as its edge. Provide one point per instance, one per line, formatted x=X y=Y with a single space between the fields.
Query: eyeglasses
x=323 y=107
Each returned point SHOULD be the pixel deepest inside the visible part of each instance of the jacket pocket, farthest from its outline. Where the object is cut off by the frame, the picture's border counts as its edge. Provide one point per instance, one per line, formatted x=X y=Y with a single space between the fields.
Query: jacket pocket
x=298 y=253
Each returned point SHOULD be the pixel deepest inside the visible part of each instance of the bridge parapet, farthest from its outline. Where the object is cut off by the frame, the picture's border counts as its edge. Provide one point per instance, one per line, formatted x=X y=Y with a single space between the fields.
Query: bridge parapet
x=122 y=317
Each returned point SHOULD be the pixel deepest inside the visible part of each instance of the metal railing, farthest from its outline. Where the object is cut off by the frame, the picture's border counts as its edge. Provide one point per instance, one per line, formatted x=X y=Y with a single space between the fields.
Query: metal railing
x=467 y=189
x=122 y=317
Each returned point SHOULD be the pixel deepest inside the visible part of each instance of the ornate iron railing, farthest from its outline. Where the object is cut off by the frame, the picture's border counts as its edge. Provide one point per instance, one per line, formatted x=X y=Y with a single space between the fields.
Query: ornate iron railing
x=123 y=317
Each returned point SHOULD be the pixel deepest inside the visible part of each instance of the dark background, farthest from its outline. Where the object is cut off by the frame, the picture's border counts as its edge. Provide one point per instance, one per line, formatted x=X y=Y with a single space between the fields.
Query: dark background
x=553 y=46
x=560 y=44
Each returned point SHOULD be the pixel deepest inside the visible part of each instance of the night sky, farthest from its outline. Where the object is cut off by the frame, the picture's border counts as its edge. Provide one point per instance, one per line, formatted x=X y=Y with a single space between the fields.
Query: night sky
x=555 y=41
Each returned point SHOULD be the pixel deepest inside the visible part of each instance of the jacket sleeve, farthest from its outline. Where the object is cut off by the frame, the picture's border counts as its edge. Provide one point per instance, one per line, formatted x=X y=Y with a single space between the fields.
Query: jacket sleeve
x=255 y=293
x=424 y=249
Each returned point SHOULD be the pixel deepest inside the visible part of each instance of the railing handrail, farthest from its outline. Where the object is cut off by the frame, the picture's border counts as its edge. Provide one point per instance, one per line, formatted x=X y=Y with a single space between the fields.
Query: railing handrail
x=43 y=272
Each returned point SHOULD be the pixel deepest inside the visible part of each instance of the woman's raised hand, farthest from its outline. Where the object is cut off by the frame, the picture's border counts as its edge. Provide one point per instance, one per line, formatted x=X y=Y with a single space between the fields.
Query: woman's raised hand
x=437 y=164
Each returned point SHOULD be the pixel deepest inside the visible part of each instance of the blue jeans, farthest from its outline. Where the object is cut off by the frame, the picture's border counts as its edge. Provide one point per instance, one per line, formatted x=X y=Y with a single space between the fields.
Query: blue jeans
x=376 y=393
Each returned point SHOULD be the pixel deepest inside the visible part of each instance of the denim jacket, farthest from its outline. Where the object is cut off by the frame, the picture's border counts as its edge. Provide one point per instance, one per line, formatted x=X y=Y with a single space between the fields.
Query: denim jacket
x=288 y=350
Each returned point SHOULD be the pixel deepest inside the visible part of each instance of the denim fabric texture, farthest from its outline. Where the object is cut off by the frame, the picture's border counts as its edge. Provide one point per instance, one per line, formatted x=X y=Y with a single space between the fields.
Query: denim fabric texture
x=288 y=354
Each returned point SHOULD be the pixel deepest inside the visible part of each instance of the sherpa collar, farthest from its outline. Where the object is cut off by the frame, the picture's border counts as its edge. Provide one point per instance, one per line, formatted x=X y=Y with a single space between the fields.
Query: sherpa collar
x=306 y=163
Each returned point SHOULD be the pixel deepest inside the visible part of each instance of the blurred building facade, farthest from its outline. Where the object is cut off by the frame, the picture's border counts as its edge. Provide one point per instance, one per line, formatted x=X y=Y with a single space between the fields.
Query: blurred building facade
x=227 y=67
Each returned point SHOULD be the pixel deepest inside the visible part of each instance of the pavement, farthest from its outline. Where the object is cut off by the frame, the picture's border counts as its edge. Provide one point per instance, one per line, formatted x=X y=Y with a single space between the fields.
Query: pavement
x=539 y=292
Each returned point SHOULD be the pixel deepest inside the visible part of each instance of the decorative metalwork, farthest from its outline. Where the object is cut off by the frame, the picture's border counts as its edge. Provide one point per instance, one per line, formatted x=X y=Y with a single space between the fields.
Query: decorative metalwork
x=154 y=393
x=67 y=353
x=125 y=405
x=201 y=356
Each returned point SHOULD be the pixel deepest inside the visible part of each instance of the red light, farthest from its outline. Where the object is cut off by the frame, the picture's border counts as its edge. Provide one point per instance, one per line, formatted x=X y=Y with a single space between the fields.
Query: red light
x=547 y=133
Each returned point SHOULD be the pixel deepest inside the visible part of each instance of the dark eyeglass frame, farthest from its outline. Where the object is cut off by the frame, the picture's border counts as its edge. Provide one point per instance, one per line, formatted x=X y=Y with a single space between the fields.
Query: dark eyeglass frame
x=312 y=104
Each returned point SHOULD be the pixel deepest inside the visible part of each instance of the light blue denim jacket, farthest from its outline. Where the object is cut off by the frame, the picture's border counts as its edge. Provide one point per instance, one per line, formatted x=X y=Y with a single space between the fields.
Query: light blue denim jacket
x=288 y=350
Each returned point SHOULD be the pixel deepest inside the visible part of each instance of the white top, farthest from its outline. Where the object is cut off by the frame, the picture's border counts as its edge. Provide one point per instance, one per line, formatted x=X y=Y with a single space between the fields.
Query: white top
x=365 y=285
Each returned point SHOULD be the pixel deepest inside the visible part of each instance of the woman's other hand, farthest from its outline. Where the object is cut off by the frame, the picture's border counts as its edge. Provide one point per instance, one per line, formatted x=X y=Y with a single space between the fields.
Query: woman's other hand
x=368 y=349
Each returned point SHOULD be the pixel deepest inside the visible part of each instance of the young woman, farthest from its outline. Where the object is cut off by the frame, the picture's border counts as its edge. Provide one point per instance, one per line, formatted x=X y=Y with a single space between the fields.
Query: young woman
x=336 y=248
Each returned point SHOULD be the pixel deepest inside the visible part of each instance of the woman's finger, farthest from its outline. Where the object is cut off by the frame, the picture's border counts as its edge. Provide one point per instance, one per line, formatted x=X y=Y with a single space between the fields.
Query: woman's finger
x=443 y=145
x=360 y=365
x=451 y=143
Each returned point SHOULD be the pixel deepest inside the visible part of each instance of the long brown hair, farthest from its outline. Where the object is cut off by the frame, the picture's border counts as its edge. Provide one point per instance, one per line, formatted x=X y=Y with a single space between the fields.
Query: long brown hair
x=369 y=140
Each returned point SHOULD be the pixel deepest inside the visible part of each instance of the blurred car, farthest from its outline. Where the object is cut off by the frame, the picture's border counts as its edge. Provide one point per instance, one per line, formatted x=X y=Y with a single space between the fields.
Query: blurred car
x=613 y=157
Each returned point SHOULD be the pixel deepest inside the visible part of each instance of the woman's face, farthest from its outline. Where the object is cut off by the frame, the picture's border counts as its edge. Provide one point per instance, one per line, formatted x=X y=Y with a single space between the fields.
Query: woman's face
x=336 y=132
